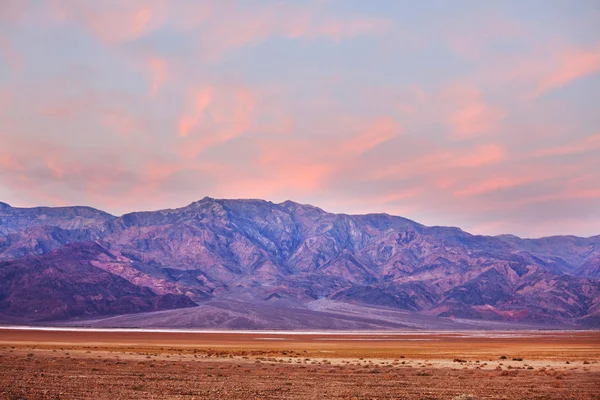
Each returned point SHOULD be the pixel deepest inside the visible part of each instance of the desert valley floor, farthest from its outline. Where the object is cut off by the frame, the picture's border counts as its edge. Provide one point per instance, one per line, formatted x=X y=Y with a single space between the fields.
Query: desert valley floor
x=67 y=364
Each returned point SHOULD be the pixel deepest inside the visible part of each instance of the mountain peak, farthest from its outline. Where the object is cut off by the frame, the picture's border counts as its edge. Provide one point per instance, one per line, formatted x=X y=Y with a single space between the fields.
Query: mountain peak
x=292 y=205
x=203 y=201
x=4 y=205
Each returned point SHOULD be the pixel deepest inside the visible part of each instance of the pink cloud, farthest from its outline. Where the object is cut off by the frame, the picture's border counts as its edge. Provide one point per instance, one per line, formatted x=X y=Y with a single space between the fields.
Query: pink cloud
x=9 y=163
x=591 y=143
x=12 y=11
x=104 y=110
x=158 y=74
x=342 y=29
x=213 y=28
x=251 y=26
x=121 y=122
x=480 y=156
x=291 y=178
x=471 y=114
x=396 y=196
x=113 y=23
x=15 y=174
x=5 y=99
x=305 y=166
x=229 y=113
x=53 y=165
x=229 y=27
x=380 y=131
x=491 y=184
x=202 y=100
x=153 y=176
x=545 y=69
x=564 y=195
x=475 y=118
x=570 y=64
x=9 y=54
x=436 y=163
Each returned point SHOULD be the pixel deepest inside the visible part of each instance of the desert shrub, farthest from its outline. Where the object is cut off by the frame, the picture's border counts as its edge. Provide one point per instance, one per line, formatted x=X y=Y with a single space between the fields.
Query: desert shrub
x=503 y=357
x=464 y=396
x=517 y=359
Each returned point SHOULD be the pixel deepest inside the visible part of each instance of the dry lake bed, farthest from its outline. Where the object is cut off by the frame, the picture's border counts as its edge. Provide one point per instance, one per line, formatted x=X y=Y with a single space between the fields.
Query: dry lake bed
x=126 y=364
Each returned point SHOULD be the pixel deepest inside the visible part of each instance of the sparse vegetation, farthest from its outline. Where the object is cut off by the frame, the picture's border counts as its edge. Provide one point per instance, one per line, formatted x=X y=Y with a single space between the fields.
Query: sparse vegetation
x=128 y=371
x=464 y=396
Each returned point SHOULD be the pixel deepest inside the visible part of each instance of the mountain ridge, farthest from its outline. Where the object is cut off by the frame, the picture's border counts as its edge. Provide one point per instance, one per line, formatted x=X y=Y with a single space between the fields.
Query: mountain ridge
x=263 y=252
x=208 y=198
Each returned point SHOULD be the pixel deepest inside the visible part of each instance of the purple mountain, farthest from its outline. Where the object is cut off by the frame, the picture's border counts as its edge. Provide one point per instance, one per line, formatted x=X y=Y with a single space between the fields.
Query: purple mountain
x=288 y=256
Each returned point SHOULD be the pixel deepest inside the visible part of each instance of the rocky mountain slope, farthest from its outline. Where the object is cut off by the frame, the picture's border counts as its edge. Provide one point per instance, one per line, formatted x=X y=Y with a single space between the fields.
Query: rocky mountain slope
x=64 y=284
x=291 y=255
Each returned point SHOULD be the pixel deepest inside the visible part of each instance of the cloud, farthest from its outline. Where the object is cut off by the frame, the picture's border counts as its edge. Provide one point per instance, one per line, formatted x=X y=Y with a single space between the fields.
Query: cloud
x=475 y=118
x=152 y=104
x=202 y=100
x=9 y=54
x=158 y=74
x=480 y=156
x=380 y=131
x=590 y=143
x=217 y=116
x=490 y=185
x=223 y=26
x=568 y=65
x=12 y=11
x=245 y=26
x=289 y=179
x=471 y=115
x=398 y=195
x=113 y=21
x=437 y=162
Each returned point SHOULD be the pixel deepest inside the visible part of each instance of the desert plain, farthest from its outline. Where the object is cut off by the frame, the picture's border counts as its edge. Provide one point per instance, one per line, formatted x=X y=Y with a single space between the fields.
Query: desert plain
x=128 y=364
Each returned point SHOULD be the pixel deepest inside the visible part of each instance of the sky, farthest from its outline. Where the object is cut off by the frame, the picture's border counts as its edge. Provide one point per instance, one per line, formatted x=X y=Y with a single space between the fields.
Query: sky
x=478 y=114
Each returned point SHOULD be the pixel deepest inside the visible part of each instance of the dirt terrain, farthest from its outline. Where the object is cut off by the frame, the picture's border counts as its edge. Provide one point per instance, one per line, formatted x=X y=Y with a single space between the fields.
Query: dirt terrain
x=40 y=364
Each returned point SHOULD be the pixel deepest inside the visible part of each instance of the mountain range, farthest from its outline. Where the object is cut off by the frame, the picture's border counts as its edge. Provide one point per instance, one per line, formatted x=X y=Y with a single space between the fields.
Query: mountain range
x=256 y=264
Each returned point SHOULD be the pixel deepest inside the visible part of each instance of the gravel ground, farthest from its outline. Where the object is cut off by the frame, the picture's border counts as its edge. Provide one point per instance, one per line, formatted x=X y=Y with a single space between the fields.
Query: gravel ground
x=265 y=370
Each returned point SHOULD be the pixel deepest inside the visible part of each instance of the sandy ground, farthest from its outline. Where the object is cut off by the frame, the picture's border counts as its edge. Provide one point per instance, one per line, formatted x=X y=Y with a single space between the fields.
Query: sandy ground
x=413 y=365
